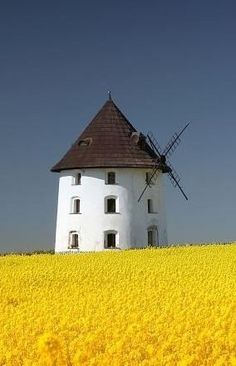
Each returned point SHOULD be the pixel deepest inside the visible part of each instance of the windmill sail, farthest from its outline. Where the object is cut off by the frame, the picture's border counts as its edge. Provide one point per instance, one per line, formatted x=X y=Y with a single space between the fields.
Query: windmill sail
x=174 y=142
x=162 y=163
x=175 y=179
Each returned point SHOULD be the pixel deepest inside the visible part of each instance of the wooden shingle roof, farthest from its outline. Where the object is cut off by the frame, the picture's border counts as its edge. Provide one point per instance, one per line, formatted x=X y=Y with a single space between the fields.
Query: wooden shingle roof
x=108 y=141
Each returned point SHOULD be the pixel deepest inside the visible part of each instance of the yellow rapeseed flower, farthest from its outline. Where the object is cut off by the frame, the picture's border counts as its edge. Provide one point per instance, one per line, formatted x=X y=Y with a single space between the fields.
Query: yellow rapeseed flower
x=152 y=307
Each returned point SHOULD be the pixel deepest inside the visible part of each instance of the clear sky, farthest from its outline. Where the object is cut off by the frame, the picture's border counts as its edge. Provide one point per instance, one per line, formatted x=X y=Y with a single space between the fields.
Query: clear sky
x=166 y=62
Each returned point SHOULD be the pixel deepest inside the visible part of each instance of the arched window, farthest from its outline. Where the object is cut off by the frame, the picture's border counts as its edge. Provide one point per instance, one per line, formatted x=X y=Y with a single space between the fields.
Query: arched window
x=111 y=204
x=85 y=142
x=111 y=178
x=152 y=236
x=110 y=239
x=75 y=209
x=135 y=138
x=73 y=240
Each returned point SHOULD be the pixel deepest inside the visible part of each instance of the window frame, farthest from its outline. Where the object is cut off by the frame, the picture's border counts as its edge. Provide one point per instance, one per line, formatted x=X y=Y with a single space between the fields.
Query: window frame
x=72 y=234
x=111 y=197
x=155 y=236
x=111 y=232
x=111 y=177
x=86 y=142
x=75 y=205
x=76 y=179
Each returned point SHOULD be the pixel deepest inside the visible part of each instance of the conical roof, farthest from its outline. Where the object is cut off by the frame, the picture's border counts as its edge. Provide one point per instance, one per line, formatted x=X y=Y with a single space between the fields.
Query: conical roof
x=108 y=141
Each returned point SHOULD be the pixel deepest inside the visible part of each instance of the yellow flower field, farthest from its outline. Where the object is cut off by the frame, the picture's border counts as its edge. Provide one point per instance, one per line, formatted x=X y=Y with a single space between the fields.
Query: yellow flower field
x=149 y=307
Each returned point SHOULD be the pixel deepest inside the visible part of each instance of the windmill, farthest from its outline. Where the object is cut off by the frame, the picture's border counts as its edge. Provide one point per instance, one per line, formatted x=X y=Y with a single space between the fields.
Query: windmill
x=162 y=163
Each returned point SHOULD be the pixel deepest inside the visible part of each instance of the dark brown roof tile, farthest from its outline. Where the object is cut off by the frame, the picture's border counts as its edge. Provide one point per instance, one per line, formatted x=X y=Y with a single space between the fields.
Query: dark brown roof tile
x=110 y=144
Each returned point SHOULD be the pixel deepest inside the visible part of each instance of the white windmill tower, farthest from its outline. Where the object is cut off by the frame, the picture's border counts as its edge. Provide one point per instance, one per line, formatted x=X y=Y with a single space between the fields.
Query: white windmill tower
x=103 y=177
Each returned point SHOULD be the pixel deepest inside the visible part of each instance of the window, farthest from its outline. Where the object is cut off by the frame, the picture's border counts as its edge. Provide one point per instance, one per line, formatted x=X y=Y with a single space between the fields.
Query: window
x=148 y=179
x=111 y=205
x=135 y=138
x=150 y=206
x=78 y=178
x=73 y=240
x=110 y=239
x=111 y=178
x=150 y=237
x=75 y=205
x=85 y=142
x=153 y=239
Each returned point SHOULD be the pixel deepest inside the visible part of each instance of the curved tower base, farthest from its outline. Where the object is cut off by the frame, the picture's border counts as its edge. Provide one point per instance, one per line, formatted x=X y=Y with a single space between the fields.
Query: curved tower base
x=98 y=209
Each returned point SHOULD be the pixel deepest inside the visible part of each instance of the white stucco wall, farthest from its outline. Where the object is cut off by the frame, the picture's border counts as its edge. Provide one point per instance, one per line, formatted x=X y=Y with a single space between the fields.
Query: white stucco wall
x=132 y=220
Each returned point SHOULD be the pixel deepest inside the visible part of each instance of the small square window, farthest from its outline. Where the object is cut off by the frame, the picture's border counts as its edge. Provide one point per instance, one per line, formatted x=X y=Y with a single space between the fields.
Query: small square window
x=111 y=178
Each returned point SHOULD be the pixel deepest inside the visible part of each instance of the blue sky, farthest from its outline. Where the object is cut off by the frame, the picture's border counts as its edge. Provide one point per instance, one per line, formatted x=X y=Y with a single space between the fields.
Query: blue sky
x=166 y=62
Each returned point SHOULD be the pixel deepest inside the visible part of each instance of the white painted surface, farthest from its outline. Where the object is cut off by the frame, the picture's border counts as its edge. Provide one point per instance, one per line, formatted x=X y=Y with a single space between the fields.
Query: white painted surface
x=130 y=223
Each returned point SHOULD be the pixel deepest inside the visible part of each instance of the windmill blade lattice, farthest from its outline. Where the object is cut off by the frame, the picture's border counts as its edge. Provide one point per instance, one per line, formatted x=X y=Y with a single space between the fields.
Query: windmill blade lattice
x=154 y=143
x=174 y=142
x=172 y=145
x=162 y=163
x=174 y=174
x=175 y=179
x=175 y=182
